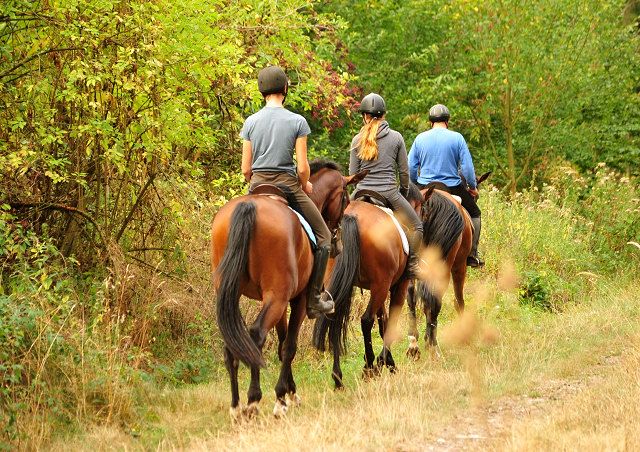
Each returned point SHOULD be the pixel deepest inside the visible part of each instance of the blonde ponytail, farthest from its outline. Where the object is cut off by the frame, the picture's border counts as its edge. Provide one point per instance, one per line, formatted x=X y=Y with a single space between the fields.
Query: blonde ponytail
x=368 y=140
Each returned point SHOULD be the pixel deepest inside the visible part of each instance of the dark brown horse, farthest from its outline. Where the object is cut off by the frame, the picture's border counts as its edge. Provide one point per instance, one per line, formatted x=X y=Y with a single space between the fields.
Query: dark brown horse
x=260 y=250
x=373 y=259
x=455 y=262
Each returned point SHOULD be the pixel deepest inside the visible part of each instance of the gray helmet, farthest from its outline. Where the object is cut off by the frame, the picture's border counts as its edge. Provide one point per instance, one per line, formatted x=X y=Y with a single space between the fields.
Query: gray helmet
x=373 y=104
x=272 y=80
x=439 y=113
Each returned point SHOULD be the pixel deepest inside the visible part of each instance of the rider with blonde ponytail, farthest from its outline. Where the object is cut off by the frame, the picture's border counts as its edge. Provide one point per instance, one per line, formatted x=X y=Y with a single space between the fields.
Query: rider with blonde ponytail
x=382 y=151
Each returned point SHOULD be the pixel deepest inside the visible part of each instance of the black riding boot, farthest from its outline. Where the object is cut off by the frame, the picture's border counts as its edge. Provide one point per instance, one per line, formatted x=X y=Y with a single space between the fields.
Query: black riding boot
x=412 y=270
x=316 y=305
x=473 y=260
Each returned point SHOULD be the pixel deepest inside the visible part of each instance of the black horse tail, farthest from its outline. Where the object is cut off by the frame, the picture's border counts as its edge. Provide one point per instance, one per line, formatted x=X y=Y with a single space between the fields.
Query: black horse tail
x=343 y=276
x=442 y=223
x=229 y=272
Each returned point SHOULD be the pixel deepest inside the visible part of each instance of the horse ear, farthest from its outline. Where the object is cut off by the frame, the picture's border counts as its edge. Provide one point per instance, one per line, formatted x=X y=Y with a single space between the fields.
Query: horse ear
x=483 y=178
x=428 y=193
x=358 y=177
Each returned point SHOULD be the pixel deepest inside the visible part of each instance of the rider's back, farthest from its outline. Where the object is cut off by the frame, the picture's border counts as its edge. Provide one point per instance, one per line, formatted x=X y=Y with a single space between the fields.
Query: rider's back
x=439 y=151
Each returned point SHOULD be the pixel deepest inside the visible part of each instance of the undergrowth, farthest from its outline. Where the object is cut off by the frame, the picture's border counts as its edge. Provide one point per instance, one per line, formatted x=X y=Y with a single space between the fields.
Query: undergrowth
x=79 y=347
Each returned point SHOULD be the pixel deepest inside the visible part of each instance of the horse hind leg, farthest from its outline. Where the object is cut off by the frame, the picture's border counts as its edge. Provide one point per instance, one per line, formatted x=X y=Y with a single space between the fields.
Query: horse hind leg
x=286 y=395
x=432 y=307
x=366 y=324
x=269 y=316
x=376 y=303
x=384 y=358
x=232 y=368
x=458 y=275
x=413 y=352
x=396 y=300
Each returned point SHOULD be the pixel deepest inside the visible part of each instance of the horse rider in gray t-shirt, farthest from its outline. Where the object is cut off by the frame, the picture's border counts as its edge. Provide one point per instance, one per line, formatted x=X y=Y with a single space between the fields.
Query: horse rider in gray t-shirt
x=269 y=139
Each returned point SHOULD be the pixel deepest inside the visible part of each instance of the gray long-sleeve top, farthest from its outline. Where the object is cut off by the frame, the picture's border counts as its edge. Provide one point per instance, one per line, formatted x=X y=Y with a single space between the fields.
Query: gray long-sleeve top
x=391 y=152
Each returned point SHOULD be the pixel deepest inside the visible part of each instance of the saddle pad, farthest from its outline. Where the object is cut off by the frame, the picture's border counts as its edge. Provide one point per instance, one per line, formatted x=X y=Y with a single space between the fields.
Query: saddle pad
x=403 y=236
x=307 y=228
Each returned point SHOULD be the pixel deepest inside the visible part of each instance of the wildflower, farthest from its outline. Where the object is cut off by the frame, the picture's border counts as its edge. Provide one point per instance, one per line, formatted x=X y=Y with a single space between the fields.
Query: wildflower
x=624 y=180
x=602 y=164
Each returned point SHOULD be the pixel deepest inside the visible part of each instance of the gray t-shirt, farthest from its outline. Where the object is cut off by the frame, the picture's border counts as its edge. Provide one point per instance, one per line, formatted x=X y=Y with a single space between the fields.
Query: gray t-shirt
x=273 y=132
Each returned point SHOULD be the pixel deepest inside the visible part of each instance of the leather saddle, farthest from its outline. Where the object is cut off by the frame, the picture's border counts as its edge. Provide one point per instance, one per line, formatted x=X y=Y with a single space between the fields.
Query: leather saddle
x=373 y=197
x=270 y=190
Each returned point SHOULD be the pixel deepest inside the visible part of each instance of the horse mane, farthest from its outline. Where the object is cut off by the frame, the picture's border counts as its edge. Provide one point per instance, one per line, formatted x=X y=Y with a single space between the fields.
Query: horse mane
x=443 y=223
x=318 y=164
x=414 y=194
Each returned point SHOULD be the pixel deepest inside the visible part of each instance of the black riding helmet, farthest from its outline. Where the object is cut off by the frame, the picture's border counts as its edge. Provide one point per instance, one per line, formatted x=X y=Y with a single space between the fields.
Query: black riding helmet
x=272 y=80
x=439 y=113
x=374 y=105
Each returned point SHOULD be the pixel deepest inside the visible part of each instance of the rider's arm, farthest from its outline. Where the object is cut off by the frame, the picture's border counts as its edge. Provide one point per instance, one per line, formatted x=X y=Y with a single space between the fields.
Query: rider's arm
x=414 y=164
x=466 y=165
x=303 y=164
x=247 y=157
x=403 y=168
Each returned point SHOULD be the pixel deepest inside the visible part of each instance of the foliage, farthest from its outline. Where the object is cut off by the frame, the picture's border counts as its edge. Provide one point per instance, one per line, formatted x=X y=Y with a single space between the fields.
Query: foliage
x=103 y=101
x=526 y=82
x=534 y=291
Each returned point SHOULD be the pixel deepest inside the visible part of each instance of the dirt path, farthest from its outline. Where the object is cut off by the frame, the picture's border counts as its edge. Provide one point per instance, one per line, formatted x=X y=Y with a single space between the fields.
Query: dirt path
x=489 y=426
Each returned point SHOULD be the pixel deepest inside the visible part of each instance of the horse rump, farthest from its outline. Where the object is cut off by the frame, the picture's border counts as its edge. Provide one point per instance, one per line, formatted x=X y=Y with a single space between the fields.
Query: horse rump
x=229 y=273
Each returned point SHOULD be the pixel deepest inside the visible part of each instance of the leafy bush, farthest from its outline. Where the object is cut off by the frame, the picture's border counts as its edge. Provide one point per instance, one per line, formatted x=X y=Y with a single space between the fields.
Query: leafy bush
x=534 y=291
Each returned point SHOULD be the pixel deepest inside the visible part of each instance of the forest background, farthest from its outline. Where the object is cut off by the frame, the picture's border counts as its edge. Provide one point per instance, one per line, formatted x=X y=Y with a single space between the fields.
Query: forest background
x=119 y=127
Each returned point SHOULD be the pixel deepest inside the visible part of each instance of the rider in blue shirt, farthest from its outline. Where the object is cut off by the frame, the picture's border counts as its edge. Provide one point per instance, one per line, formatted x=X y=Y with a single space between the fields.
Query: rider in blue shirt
x=437 y=158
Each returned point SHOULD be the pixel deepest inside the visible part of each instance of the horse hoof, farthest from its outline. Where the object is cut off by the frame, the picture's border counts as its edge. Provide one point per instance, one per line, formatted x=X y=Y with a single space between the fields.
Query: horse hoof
x=251 y=411
x=369 y=373
x=293 y=400
x=236 y=414
x=413 y=353
x=280 y=410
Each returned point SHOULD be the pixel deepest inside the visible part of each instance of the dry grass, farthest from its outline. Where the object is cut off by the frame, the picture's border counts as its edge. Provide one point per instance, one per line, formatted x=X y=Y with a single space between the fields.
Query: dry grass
x=490 y=362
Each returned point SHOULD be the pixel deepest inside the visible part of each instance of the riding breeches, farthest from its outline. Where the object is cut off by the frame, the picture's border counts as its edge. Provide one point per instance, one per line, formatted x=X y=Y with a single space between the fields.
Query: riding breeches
x=402 y=209
x=298 y=200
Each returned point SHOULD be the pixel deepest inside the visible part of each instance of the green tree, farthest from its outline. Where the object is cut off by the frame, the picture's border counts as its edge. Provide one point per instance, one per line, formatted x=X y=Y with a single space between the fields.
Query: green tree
x=106 y=105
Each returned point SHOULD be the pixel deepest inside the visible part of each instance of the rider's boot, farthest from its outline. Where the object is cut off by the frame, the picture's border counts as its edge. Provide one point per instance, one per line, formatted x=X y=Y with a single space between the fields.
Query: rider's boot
x=473 y=260
x=317 y=304
x=412 y=269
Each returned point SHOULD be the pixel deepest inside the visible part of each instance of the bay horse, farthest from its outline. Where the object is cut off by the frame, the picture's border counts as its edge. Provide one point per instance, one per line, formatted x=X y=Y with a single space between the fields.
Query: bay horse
x=455 y=260
x=372 y=258
x=259 y=249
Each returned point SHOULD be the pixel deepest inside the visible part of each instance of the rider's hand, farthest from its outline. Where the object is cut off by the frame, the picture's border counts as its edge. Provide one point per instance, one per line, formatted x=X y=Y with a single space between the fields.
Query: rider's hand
x=473 y=192
x=308 y=188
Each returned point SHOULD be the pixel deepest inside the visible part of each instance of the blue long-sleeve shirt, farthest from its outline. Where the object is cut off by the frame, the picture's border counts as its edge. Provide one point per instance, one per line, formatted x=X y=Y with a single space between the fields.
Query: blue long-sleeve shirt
x=436 y=155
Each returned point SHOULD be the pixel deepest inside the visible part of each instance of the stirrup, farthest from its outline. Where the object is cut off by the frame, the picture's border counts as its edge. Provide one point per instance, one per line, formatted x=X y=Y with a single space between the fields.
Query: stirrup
x=475 y=262
x=314 y=313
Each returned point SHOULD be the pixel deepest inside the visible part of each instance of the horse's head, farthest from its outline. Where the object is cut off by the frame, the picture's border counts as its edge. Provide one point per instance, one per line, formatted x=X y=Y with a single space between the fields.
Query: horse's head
x=417 y=198
x=331 y=197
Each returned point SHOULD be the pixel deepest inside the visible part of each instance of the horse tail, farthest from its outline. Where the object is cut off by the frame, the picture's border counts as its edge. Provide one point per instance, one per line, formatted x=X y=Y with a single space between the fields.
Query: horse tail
x=442 y=223
x=343 y=276
x=229 y=272
x=427 y=293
